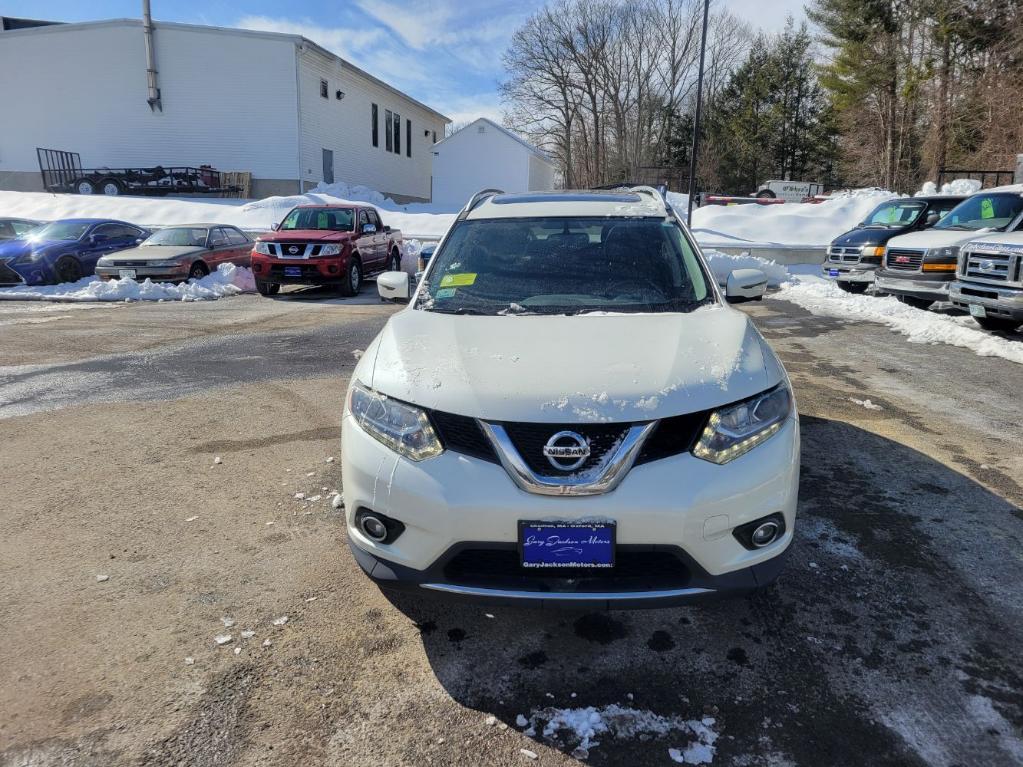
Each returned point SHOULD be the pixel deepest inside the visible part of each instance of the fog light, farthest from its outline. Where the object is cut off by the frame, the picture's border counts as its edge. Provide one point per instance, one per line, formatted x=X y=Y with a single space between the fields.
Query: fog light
x=760 y=532
x=332 y=268
x=373 y=528
x=376 y=526
x=764 y=534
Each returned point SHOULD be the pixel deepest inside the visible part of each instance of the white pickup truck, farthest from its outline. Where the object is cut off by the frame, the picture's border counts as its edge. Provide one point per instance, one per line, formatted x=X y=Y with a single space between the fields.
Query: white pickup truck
x=989 y=281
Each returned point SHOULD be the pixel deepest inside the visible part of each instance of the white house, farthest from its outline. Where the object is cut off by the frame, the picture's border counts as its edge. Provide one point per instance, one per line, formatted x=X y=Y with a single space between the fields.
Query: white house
x=276 y=105
x=484 y=155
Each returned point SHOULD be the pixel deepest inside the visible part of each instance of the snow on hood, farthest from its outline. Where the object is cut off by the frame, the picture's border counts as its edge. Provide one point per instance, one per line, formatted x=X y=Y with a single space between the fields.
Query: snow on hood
x=587 y=368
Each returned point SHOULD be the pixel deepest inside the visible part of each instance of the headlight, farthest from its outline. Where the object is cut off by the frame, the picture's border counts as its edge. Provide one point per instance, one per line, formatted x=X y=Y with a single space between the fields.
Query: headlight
x=737 y=429
x=29 y=258
x=951 y=252
x=403 y=428
x=330 y=250
x=872 y=250
x=164 y=264
x=263 y=247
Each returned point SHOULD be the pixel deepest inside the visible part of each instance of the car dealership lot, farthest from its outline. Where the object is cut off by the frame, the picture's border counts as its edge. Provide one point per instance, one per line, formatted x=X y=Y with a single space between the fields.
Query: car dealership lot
x=891 y=639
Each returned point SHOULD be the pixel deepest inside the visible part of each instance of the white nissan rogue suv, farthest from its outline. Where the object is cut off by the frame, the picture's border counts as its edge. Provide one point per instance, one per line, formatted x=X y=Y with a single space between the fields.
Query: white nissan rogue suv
x=569 y=412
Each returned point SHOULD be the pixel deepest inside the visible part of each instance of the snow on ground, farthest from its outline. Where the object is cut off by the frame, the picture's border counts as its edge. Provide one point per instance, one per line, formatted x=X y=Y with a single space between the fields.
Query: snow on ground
x=251 y=215
x=582 y=726
x=787 y=224
x=960 y=186
x=723 y=263
x=228 y=280
x=823 y=297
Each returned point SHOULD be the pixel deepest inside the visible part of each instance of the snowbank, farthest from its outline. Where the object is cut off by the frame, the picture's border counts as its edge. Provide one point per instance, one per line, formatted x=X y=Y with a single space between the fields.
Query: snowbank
x=960 y=187
x=788 y=224
x=723 y=263
x=228 y=280
x=823 y=297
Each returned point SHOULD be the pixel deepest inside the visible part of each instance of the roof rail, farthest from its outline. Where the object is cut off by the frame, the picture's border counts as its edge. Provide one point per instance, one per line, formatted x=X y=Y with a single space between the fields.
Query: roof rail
x=476 y=199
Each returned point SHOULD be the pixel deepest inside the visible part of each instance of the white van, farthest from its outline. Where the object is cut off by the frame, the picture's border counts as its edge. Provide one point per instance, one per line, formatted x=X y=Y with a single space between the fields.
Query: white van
x=790 y=191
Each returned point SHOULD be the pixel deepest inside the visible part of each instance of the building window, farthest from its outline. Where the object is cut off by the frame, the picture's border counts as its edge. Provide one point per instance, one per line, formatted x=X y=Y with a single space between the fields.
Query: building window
x=397 y=133
x=376 y=131
x=323 y=89
x=434 y=137
x=408 y=138
x=388 y=140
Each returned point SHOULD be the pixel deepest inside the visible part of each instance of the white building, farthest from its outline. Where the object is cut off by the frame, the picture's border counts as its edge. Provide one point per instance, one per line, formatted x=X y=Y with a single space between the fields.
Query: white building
x=276 y=105
x=483 y=155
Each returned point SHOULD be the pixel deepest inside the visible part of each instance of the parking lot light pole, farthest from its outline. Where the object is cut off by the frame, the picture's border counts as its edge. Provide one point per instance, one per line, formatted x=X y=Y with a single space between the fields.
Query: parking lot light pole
x=696 y=121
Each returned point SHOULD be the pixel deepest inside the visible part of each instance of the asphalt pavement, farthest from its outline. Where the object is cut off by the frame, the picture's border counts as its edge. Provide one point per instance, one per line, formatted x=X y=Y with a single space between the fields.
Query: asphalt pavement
x=152 y=457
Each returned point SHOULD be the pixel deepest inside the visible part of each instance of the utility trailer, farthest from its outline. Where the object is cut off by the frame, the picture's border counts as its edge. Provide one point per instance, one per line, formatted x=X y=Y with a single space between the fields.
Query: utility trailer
x=63 y=172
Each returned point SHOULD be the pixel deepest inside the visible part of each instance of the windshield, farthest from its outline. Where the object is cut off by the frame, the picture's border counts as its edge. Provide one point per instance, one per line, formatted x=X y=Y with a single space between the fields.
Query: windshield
x=983 y=211
x=329 y=219
x=59 y=230
x=184 y=235
x=894 y=215
x=564 y=266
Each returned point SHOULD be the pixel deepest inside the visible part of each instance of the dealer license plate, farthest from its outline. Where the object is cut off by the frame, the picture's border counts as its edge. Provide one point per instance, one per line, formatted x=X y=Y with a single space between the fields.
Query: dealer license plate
x=293 y=271
x=832 y=272
x=567 y=544
x=977 y=310
x=126 y=274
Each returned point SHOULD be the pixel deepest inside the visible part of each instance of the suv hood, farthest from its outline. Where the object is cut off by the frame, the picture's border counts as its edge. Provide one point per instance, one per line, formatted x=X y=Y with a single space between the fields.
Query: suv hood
x=935 y=238
x=561 y=369
x=305 y=235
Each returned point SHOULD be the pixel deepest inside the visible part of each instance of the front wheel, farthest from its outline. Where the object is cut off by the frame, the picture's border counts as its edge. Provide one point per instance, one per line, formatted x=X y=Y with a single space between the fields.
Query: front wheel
x=68 y=270
x=353 y=279
x=394 y=265
x=198 y=271
x=853 y=287
x=765 y=194
x=268 y=288
x=997 y=323
x=916 y=303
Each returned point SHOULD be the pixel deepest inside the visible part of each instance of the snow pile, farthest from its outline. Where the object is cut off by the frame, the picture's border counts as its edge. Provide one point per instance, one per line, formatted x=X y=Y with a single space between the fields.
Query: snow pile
x=823 y=297
x=721 y=264
x=581 y=726
x=960 y=187
x=787 y=224
x=228 y=280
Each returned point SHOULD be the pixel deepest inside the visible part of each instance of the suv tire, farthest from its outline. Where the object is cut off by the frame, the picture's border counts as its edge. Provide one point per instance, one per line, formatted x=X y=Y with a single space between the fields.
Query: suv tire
x=352 y=283
x=268 y=288
x=853 y=287
x=916 y=303
x=997 y=323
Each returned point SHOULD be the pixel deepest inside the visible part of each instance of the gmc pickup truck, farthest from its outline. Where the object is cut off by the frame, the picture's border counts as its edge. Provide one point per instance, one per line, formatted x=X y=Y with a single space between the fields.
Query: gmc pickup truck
x=333 y=245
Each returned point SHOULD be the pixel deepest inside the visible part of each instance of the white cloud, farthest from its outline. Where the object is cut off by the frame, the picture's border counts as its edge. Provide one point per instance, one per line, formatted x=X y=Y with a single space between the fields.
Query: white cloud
x=342 y=41
x=419 y=23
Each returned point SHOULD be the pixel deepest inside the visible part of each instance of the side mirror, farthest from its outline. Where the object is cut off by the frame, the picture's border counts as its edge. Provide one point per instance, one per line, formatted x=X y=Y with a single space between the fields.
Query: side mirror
x=369 y=228
x=745 y=285
x=394 y=286
x=276 y=226
x=139 y=241
x=97 y=238
x=387 y=228
x=932 y=218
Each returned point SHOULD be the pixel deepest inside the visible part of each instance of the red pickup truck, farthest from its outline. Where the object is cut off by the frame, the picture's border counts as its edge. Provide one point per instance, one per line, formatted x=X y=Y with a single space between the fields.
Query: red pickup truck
x=335 y=245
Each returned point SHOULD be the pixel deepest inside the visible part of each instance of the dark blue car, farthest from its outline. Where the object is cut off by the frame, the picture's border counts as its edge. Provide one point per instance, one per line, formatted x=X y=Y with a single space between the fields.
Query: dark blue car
x=64 y=251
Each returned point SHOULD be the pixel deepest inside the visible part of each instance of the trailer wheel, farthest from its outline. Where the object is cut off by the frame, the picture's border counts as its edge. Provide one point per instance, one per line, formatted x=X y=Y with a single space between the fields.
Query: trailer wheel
x=111 y=187
x=83 y=186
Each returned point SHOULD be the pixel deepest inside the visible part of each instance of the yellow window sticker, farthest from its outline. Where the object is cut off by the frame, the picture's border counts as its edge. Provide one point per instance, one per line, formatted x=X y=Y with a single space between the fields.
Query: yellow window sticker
x=987 y=208
x=457 y=280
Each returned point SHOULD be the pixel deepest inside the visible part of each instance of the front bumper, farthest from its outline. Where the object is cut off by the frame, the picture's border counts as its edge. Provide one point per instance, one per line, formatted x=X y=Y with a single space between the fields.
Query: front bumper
x=848 y=272
x=10 y=276
x=915 y=284
x=681 y=507
x=154 y=273
x=326 y=270
x=997 y=301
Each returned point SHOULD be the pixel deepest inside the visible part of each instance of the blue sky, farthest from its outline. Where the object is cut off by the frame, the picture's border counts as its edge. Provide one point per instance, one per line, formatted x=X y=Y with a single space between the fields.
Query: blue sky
x=446 y=53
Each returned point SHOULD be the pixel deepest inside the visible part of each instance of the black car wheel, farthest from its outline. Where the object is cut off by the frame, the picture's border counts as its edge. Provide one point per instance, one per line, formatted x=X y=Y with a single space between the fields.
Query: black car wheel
x=198 y=271
x=353 y=279
x=395 y=263
x=853 y=287
x=916 y=303
x=68 y=269
x=268 y=288
x=997 y=323
x=766 y=194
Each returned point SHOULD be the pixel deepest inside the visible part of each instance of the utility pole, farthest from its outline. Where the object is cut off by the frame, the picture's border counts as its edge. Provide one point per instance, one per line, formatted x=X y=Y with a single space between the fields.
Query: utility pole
x=696 y=122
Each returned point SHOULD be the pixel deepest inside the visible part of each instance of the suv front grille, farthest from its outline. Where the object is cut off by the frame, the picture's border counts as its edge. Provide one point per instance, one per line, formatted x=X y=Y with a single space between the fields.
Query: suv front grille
x=844 y=255
x=301 y=249
x=905 y=260
x=462 y=434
